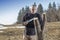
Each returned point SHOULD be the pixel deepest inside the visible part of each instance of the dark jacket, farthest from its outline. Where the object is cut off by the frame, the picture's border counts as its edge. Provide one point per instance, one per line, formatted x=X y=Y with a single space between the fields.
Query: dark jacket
x=30 y=25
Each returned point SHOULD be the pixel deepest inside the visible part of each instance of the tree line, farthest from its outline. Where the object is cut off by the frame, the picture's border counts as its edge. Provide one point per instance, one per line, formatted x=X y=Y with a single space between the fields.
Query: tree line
x=52 y=13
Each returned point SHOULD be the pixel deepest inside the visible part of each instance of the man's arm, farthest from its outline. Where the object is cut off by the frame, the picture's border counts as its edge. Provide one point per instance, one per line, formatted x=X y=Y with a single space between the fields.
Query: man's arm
x=23 y=21
x=40 y=21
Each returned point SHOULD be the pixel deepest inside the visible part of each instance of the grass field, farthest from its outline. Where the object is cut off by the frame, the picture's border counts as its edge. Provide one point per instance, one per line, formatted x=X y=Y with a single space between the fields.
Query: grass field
x=51 y=32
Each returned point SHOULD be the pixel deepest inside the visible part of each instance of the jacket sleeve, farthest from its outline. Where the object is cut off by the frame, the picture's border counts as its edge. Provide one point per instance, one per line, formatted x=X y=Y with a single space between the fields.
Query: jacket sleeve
x=24 y=19
x=40 y=21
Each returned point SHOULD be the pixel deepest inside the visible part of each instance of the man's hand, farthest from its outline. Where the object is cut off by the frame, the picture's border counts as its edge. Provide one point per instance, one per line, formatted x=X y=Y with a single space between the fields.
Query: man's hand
x=25 y=23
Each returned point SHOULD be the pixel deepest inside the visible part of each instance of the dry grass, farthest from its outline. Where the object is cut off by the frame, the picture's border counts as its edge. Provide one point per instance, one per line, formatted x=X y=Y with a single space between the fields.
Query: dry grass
x=51 y=32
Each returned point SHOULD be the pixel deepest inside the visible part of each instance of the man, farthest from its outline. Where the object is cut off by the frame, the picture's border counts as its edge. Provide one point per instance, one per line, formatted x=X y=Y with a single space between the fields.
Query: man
x=30 y=29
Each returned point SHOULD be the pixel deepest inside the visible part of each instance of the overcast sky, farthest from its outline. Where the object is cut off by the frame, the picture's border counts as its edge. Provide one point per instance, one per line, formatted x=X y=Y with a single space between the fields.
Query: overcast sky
x=9 y=8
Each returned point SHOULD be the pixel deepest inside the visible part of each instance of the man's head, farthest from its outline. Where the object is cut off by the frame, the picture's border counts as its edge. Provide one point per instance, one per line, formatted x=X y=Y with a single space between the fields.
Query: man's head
x=33 y=9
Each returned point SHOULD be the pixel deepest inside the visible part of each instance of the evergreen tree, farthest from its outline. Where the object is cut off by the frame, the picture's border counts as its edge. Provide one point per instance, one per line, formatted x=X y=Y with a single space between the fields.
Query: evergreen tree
x=50 y=6
x=20 y=15
x=34 y=4
x=23 y=10
x=54 y=5
x=51 y=13
x=40 y=9
x=27 y=10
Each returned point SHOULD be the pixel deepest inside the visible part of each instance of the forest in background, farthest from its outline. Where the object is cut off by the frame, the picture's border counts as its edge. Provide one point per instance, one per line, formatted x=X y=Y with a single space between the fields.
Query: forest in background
x=52 y=13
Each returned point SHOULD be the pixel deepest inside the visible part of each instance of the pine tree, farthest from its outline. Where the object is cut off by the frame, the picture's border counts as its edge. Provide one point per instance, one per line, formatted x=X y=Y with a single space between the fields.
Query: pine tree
x=50 y=6
x=40 y=9
x=23 y=10
x=54 y=5
x=51 y=13
x=34 y=4
x=27 y=10
x=20 y=15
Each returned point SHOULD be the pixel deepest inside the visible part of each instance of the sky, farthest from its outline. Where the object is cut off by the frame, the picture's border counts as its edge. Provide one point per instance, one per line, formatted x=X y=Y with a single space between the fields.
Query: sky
x=9 y=9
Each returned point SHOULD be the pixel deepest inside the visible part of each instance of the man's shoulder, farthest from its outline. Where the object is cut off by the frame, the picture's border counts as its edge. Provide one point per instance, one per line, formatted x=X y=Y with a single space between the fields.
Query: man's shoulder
x=38 y=15
x=26 y=14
